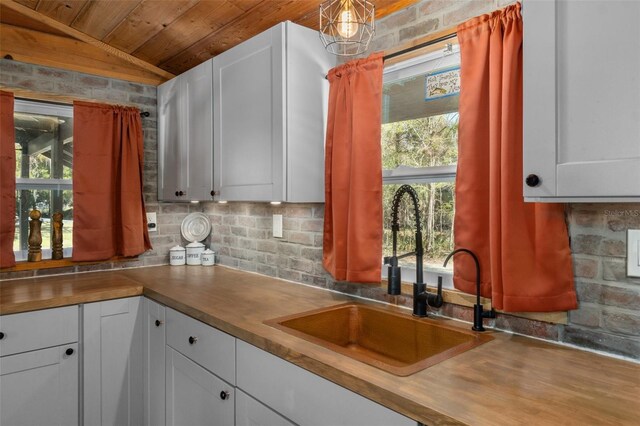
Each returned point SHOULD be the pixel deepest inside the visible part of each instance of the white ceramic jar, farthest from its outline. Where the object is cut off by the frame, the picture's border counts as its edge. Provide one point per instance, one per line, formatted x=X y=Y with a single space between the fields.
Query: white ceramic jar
x=194 y=253
x=208 y=257
x=177 y=256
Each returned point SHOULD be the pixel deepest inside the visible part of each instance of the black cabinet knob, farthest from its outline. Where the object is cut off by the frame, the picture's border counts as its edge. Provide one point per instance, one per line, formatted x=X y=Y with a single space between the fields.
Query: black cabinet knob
x=213 y=193
x=177 y=193
x=1 y=335
x=532 y=180
x=158 y=323
x=192 y=340
x=181 y=193
x=69 y=351
x=224 y=395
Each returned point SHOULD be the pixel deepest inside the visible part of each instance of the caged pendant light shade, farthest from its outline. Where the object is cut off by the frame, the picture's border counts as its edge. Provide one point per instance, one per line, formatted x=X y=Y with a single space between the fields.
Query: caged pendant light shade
x=346 y=26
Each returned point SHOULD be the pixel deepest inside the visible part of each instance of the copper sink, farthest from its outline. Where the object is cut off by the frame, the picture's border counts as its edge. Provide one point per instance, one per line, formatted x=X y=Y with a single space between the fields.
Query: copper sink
x=394 y=342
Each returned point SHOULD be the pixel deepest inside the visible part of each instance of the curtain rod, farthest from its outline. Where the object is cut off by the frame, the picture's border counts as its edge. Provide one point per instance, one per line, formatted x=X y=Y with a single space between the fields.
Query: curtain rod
x=417 y=46
x=420 y=46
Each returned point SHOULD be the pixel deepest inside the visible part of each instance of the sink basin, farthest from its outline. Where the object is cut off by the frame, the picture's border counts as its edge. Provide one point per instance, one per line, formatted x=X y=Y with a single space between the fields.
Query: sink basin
x=397 y=343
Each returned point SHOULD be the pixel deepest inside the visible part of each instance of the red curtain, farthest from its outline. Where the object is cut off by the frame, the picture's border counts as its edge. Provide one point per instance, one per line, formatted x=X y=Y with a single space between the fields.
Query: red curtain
x=7 y=180
x=108 y=218
x=523 y=247
x=352 y=245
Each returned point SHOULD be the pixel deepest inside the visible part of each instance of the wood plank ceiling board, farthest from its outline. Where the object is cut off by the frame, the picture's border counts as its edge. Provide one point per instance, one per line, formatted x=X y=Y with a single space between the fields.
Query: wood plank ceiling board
x=62 y=11
x=145 y=21
x=100 y=17
x=61 y=52
x=11 y=17
x=29 y=3
x=204 y=18
x=260 y=18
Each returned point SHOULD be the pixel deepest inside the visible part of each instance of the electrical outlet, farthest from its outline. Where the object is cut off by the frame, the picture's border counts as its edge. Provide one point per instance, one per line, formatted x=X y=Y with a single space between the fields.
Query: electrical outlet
x=633 y=253
x=277 y=226
x=152 y=222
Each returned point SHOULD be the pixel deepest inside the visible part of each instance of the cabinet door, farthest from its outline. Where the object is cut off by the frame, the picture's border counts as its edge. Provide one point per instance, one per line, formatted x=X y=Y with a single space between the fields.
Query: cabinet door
x=249 y=119
x=199 y=124
x=582 y=98
x=40 y=387
x=173 y=146
x=304 y=397
x=250 y=412
x=194 y=395
x=154 y=368
x=113 y=363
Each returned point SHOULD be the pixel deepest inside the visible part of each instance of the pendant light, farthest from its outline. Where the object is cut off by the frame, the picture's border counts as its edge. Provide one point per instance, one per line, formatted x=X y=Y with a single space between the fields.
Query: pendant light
x=346 y=26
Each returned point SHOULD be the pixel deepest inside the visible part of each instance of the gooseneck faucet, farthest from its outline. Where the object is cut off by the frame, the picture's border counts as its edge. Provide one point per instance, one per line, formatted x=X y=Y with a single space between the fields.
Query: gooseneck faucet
x=478 y=312
x=421 y=297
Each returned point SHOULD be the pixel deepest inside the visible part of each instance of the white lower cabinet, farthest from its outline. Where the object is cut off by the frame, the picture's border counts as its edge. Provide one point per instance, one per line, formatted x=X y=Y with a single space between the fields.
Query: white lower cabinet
x=250 y=412
x=304 y=397
x=40 y=387
x=154 y=363
x=39 y=368
x=113 y=363
x=196 y=396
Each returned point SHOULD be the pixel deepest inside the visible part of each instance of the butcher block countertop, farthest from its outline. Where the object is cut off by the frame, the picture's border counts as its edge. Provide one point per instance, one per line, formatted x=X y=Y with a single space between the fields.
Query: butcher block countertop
x=509 y=380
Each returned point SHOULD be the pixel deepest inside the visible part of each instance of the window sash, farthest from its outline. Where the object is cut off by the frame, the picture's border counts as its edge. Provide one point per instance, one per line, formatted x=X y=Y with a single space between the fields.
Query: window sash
x=44 y=184
x=406 y=174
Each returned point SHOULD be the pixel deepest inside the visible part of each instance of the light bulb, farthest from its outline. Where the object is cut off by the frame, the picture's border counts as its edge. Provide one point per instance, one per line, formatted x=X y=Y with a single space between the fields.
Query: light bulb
x=348 y=23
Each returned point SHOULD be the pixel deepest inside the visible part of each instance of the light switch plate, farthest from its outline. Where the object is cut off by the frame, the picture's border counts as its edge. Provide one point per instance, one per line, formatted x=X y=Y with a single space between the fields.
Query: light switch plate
x=152 y=222
x=633 y=253
x=277 y=226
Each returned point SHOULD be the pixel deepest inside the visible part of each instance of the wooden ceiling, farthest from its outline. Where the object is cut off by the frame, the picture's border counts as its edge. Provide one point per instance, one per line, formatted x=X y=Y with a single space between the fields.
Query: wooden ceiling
x=170 y=36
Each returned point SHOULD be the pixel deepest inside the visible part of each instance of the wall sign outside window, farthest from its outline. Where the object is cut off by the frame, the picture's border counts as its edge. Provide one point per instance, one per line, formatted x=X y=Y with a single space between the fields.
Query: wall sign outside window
x=442 y=83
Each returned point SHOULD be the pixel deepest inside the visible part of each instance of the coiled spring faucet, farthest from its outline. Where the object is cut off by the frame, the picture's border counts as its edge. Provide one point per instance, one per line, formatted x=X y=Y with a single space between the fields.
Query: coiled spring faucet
x=421 y=297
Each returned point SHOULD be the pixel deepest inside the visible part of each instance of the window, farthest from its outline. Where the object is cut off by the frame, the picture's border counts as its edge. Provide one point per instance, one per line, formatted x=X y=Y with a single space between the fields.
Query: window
x=420 y=148
x=44 y=159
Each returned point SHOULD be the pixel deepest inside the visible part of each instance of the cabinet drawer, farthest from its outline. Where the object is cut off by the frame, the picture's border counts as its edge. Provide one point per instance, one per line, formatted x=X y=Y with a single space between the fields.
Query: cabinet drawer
x=304 y=397
x=211 y=348
x=29 y=331
x=250 y=412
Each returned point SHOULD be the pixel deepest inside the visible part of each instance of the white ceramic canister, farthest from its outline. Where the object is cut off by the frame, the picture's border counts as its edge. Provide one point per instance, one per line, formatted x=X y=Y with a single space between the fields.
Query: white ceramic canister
x=194 y=253
x=208 y=257
x=177 y=256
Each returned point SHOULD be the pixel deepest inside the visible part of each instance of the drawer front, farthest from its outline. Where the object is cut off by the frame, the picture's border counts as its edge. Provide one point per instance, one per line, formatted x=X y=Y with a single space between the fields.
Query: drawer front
x=304 y=397
x=29 y=331
x=211 y=348
x=250 y=412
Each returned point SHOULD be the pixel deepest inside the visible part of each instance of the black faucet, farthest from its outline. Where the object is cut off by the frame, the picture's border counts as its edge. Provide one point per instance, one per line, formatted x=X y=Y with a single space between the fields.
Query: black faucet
x=421 y=297
x=478 y=312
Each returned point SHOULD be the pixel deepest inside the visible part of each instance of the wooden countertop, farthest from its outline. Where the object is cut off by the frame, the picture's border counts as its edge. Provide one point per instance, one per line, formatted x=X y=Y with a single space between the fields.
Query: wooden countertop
x=510 y=380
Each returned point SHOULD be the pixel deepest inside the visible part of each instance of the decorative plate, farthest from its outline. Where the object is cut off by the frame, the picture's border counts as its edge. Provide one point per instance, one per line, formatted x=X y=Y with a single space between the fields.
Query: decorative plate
x=195 y=227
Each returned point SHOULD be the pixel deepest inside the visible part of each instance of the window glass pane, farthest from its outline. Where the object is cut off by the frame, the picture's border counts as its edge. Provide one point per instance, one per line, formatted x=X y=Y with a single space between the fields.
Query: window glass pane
x=421 y=142
x=43 y=146
x=437 y=207
x=43 y=200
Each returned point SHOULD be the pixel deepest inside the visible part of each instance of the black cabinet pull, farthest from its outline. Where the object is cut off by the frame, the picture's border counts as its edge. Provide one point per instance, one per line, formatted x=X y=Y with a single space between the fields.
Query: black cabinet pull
x=1 y=335
x=192 y=340
x=69 y=351
x=177 y=193
x=158 y=323
x=532 y=180
x=224 y=395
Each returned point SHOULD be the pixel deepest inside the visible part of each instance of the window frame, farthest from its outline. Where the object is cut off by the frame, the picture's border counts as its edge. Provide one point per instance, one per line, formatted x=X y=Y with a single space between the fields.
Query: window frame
x=411 y=175
x=29 y=106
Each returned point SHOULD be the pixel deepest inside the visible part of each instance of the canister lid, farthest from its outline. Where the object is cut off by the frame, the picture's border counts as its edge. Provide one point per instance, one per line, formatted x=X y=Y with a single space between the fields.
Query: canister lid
x=176 y=248
x=208 y=251
x=195 y=245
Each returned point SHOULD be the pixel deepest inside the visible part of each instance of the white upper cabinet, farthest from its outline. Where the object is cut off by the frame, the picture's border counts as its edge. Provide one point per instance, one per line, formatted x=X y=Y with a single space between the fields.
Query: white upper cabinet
x=581 y=100
x=270 y=101
x=185 y=136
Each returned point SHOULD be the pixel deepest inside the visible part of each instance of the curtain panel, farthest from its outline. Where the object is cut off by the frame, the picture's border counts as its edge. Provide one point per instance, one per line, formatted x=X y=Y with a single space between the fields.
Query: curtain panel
x=7 y=180
x=523 y=247
x=109 y=217
x=352 y=244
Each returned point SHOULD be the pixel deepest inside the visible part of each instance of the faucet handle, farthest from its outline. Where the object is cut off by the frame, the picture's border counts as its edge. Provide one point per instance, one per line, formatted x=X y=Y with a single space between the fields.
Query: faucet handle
x=436 y=300
x=386 y=260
